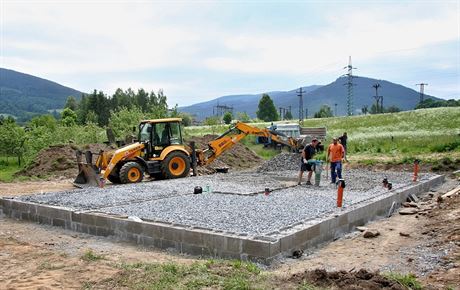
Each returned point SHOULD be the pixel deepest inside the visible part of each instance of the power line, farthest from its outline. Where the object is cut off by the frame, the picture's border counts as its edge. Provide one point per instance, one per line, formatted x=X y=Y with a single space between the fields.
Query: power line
x=422 y=90
x=300 y=95
x=378 y=99
x=350 y=85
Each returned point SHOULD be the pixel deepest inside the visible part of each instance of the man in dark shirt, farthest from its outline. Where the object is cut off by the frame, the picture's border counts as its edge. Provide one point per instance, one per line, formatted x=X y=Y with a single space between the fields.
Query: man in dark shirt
x=343 y=141
x=307 y=154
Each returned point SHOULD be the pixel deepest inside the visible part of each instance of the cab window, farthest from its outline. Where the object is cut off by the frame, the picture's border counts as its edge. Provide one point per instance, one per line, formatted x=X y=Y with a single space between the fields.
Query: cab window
x=176 y=137
x=145 y=131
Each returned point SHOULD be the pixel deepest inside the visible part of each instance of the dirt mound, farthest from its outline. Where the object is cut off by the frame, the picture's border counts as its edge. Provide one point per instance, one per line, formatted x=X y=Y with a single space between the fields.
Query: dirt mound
x=361 y=279
x=58 y=160
x=238 y=158
x=282 y=161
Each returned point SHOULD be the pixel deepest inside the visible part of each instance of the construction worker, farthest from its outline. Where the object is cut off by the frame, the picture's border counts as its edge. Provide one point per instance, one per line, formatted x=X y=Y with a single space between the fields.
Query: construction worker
x=343 y=141
x=335 y=153
x=307 y=154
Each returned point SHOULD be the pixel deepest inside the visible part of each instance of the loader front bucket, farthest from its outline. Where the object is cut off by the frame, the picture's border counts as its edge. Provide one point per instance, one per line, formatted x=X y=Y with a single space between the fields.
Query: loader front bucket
x=87 y=172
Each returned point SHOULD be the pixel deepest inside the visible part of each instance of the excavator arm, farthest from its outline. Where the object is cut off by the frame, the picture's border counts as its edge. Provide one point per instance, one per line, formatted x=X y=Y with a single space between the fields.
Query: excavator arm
x=232 y=136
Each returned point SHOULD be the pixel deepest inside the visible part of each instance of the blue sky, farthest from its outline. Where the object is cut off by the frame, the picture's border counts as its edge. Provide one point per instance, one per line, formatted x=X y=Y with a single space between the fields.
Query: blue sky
x=199 y=50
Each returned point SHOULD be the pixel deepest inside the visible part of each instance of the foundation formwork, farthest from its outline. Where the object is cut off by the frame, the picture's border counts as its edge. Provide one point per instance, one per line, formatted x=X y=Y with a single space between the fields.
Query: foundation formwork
x=237 y=220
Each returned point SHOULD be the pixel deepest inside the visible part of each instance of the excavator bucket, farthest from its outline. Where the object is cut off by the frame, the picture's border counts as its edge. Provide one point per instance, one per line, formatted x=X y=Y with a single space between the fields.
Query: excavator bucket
x=87 y=172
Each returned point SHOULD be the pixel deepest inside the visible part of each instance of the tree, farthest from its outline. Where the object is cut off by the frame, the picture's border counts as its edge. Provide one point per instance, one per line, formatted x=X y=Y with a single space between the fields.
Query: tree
x=71 y=103
x=392 y=109
x=267 y=110
x=243 y=117
x=288 y=115
x=211 y=121
x=364 y=109
x=12 y=138
x=47 y=121
x=374 y=109
x=324 y=112
x=227 y=118
x=123 y=120
x=69 y=117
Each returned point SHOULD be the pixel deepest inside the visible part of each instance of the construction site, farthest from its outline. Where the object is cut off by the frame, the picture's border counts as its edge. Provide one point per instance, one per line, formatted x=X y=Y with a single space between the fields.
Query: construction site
x=252 y=211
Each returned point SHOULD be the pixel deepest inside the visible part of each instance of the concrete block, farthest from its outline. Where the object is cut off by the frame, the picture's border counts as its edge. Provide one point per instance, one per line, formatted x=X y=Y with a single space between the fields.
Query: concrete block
x=92 y=230
x=167 y=244
x=134 y=227
x=102 y=221
x=105 y=232
x=192 y=249
x=75 y=217
x=287 y=243
x=173 y=233
x=146 y=241
x=87 y=219
x=233 y=245
x=342 y=220
x=256 y=248
x=59 y=222
x=44 y=220
x=152 y=230
x=193 y=237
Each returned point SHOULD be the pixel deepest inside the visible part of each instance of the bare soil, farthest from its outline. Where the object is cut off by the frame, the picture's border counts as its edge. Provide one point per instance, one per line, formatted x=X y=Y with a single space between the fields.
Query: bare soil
x=239 y=157
x=58 y=161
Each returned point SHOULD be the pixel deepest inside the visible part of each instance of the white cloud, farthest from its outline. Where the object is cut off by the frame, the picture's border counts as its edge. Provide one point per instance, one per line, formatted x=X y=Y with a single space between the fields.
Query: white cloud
x=72 y=42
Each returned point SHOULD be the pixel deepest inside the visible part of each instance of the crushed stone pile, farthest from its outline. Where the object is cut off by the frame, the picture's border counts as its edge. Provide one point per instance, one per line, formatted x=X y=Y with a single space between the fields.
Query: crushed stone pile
x=282 y=161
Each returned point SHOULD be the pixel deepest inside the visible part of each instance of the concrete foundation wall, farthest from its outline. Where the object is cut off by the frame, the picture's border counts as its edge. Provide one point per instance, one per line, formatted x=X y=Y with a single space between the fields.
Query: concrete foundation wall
x=204 y=242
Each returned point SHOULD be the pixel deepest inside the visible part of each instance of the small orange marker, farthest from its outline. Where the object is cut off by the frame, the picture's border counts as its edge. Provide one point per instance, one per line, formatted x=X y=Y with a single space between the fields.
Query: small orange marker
x=416 y=163
x=341 y=186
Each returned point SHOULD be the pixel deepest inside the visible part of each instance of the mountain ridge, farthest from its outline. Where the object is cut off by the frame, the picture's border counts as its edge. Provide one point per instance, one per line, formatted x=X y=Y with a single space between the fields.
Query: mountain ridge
x=24 y=95
x=315 y=96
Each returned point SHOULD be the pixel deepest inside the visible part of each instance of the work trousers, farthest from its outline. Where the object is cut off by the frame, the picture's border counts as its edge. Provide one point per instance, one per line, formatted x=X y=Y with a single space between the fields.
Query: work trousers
x=336 y=170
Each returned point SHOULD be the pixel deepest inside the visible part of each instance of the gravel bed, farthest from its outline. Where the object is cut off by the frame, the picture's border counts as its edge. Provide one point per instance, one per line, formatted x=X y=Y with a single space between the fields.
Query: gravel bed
x=112 y=195
x=173 y=201
x=251 y=215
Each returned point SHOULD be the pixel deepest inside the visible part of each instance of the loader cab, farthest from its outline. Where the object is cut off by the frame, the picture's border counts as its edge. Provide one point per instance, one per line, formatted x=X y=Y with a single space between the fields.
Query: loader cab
x=160 y=134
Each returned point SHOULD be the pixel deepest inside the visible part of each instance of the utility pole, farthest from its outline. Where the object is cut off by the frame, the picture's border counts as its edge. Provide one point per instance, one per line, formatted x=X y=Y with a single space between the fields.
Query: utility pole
x=300 y=95
x=335 y=109
x=422 y=91
x=349 y=85
x=378 y=99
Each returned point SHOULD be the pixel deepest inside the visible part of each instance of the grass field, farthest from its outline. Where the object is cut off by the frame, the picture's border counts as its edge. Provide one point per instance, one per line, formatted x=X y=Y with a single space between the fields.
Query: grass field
x=432 y=135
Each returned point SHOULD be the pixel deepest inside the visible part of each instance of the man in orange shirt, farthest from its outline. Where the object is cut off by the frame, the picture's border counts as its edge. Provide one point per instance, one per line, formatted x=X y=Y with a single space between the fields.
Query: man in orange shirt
x=335 y=154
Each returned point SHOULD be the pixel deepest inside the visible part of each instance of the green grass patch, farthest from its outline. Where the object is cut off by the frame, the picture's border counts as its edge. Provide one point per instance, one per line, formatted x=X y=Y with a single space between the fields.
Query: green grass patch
x=203 y=274
x=8 y=167
x=409 y=281
x=90 y=256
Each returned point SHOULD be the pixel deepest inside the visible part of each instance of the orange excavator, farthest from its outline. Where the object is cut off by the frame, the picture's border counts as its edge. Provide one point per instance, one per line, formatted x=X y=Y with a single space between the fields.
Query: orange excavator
x=161 y=153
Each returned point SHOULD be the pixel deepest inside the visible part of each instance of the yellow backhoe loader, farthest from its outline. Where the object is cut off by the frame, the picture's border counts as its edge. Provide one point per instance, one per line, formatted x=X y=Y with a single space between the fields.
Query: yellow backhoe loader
x=161 y=154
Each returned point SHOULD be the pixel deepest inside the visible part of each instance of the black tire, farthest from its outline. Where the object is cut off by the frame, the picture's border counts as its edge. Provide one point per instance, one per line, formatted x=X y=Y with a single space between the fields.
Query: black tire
x=115 y=179
x=173 y=167
x=131 y=172
x=114 y=176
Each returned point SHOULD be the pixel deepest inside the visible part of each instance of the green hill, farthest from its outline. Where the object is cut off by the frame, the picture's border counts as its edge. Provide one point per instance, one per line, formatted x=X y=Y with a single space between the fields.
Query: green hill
x=25 y=96
x=431 y=135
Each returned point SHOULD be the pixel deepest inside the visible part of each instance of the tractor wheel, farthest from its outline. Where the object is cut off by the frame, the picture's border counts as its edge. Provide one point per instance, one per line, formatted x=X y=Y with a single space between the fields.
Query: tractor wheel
x=114 y=176
x=175 y=165
x=131 y=172
x=115 y=179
